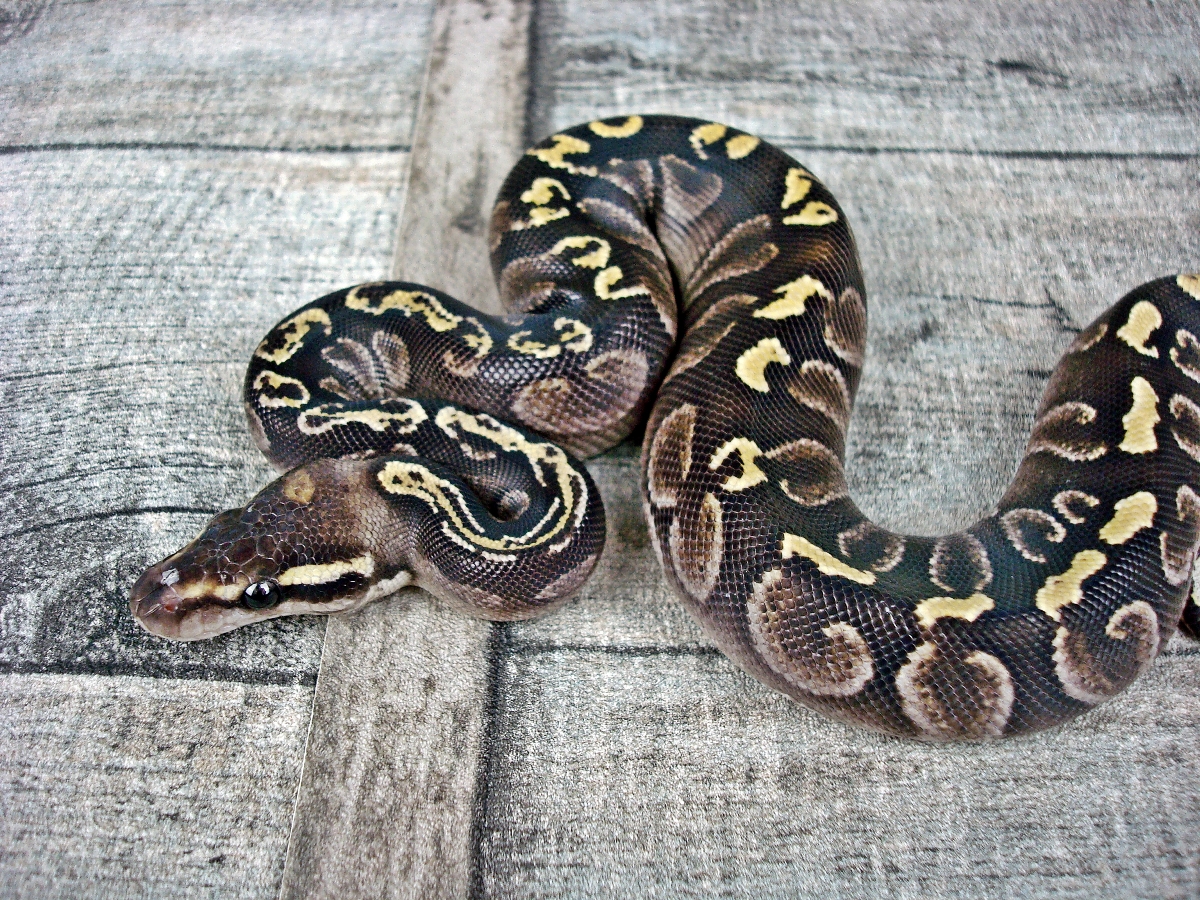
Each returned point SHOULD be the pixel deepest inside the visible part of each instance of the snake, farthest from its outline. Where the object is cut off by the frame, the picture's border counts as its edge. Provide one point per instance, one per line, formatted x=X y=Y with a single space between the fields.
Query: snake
x=689 y=278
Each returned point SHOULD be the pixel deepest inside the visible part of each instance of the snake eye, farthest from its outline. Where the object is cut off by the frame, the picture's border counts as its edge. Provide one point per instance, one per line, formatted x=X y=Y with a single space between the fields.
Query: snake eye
x=262 y=594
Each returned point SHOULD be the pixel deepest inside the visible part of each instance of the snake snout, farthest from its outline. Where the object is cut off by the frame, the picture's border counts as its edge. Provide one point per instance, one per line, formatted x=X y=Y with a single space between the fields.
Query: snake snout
x=155 y=603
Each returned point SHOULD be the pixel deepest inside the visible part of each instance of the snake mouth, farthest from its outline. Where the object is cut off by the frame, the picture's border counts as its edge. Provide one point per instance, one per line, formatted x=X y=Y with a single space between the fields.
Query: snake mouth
x=169 y=609
x=156 y=605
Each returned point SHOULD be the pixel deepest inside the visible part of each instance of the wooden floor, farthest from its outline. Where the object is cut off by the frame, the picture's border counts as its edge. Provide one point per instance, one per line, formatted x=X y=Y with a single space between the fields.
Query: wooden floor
x=176 y=176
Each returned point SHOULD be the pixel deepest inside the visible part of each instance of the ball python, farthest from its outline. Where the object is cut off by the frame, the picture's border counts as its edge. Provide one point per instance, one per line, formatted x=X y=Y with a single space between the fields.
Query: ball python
x=695 y=272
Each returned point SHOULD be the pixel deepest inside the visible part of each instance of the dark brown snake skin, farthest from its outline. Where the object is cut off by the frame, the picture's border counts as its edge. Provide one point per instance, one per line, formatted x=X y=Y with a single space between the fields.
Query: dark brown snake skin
x=426 y=440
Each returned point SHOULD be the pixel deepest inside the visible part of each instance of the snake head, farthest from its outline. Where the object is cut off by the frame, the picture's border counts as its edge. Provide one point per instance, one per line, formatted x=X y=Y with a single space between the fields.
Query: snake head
x=271 y=558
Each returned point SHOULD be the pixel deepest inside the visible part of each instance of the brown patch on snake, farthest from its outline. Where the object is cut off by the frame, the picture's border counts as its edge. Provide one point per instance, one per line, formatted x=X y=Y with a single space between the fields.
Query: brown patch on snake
x=871 y=547
x=687 y=193
x=709 y=330
x=1031 y=530
x=742 y=250
x=671 y=456
x=1186 y=354
x=582 y=414
x=1089 y=337
x=1074 y=505
x=959 y=564
x=846 y=326
x=829 y=661
x=567 y=583
x=808 y=472
x=820 y=386
x=1093 y=667
x=1187 y=425
x=500 y=224
x=527 y=283
x=621 y=223
x=947 y=694
x=697 y=544
x=382 y=371
x=635 y=178
x=1065 y=431
x=1179 y=543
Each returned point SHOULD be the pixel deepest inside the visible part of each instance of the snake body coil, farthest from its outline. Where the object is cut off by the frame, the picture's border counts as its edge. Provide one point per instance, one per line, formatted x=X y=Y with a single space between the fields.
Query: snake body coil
x=423 y=443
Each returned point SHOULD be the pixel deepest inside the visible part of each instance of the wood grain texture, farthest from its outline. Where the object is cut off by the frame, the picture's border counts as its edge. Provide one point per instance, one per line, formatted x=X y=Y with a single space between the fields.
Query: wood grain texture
x=694 y=781
x=1061 y=77
x=136 y=285
x=145 y=247
x=385 y=805
x=305 y=75
x=142 y=787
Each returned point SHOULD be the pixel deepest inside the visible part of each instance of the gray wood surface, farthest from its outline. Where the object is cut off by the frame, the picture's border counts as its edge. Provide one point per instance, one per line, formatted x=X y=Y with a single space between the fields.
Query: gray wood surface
x=176 y=177
x=377 y=816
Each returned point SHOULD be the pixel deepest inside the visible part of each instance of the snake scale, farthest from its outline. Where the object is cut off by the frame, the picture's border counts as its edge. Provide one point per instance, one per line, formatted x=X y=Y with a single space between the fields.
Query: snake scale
x=687 y=270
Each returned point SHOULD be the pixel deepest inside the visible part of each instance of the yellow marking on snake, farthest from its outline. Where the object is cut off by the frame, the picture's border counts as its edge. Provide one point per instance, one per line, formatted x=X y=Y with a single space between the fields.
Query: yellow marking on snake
x=298 y=486
x=481 y=343
x=409 y=303
x=405 y=421
x=274 y=381
x=564 y=145
x=1143 y=320
x=628 y=128
x=751 y=364
x=795 y=294
x=206 y=587
x=1067 y=588
x=293 y=332
x=1139 y=422
x=741 y=146
x=576 y=336
x=969 y=608
x=597 y=259
x=541 y=192
x=517 y=343
x=796 y=185
x=608 y=278
x=571 y=489
x=751 y=473
x=1130 y=516
x=706 y=134
x=539 y=216
x=814 y=213
x=324 y=573
x=827 y=564
x=1189 y=284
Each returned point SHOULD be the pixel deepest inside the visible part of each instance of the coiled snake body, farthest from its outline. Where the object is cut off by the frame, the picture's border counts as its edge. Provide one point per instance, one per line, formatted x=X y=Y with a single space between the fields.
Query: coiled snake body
x=424 y=443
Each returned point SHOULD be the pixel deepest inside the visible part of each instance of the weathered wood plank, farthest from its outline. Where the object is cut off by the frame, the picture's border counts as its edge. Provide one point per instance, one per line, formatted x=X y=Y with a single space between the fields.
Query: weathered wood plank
x=309 y=74
x=386 y=800
x=141 y=787
x=644 y=774
x=1047 y=77
x=135 y=286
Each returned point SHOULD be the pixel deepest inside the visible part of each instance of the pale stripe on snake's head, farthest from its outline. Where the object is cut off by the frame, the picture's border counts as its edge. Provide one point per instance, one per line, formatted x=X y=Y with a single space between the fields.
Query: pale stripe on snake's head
x=272 y=558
